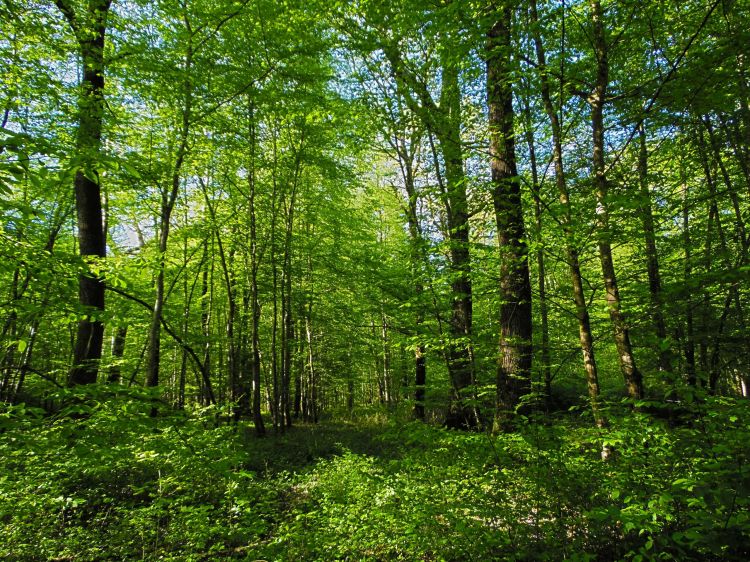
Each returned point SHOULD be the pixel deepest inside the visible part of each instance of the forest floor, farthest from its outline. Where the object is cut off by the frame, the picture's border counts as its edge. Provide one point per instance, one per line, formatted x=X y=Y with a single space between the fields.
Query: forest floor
x=102 y=480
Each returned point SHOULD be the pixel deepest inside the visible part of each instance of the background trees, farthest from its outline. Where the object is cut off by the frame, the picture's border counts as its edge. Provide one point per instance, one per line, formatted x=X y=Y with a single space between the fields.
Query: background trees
x=302 y=205
x=347 y=224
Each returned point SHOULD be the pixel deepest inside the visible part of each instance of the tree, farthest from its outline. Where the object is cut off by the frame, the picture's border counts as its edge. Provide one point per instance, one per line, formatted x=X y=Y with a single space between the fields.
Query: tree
x=585 y=334
x=89 y=29
x=597 y=100
x=442 y=120
x=514 y=365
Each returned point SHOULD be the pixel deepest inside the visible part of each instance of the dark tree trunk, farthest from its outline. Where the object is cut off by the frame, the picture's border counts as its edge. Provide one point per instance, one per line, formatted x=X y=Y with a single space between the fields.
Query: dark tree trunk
x=460 y=351
x=117 y=351
x=514 y=363
x=444 y=121
x=90 y=30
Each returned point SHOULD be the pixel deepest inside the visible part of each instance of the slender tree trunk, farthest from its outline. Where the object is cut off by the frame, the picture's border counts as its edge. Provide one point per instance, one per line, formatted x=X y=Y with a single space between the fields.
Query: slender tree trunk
x=235 y=387
x=260 y=428
x=276 y=390
x=26 y=356
x=298 y=376
x=187 y=297
x=311 y=402
x=310 y=393
x=168 y=199
x=597 y=99
x=286 y=311
x=460 y=347
x=689 y=339
x=514 y=364
x=444 y=121
x=90 y=31
x=206 y=308
x=406 y=153
x=387 y=375
x=652 y=256
x=726 y=255
x=117 y=351
x=9 y=338
x=582 y=314
x=729 y=184
x=540 y=262
x=741 y=258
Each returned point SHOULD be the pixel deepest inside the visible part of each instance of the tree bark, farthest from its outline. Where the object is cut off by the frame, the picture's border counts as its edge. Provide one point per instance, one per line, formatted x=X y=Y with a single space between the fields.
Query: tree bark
x=652 y=256
x=90 y=31
x=585 y=336
x=514 y=362
x=597 y=99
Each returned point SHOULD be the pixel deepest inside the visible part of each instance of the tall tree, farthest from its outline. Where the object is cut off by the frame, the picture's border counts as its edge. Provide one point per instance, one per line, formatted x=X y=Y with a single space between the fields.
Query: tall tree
x=652 y=257
x=89 y=28
x=597 y=100
x=585 y=334
x=514 y=363
x=443 y=121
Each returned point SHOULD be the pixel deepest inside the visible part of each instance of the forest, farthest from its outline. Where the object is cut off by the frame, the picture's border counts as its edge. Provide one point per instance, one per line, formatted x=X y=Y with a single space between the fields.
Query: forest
x=439 y=280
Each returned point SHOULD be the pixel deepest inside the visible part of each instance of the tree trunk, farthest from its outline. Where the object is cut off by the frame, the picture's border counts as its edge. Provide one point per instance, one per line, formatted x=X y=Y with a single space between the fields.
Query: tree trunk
x=235 y=388
x=444 y=121
x=260 y=429
x=726 y=254
x=117 y=351
x=514 y=364
x=540 y=262
x=387 y=375
x=90 y=30
x=168 y=199
x=287 y=320
x=207 y=301
x=689 y=337
x=460 y=347
x=406 y=154
x=585 y=336
x=652 y=256
x=597 y=99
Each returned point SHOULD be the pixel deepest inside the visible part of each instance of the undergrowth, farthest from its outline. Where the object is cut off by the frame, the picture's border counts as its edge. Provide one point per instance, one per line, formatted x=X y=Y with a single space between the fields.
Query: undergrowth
x=103 y=479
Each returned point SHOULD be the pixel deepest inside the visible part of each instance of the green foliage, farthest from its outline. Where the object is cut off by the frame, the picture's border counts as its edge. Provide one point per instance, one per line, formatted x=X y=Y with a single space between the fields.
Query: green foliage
x=104 y=479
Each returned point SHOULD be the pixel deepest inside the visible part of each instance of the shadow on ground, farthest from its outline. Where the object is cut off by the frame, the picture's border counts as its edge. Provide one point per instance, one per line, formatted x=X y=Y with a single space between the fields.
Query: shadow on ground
x=303 y=445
